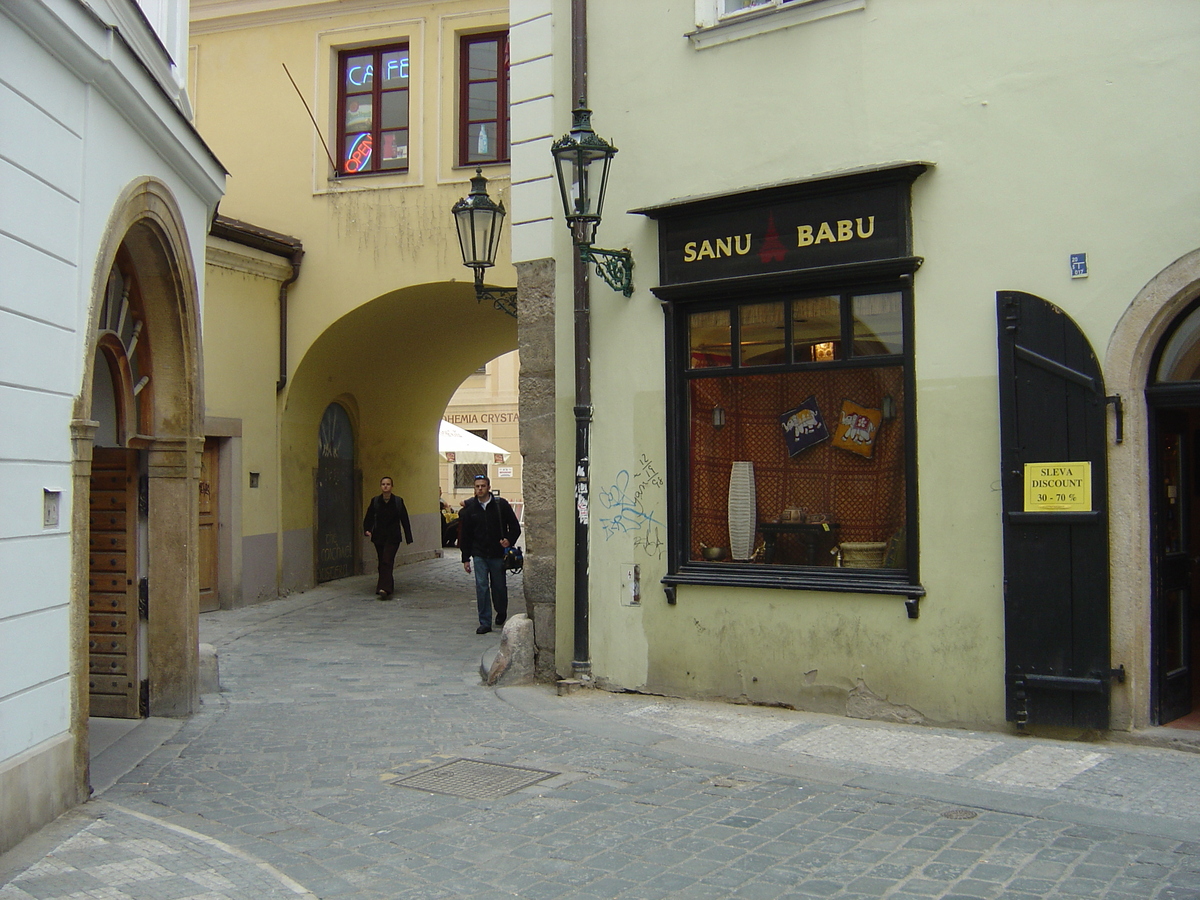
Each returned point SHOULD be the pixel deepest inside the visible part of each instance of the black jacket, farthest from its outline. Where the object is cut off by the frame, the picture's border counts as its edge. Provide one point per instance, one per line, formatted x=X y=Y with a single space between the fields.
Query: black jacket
x=384 y=520
x=483 y=528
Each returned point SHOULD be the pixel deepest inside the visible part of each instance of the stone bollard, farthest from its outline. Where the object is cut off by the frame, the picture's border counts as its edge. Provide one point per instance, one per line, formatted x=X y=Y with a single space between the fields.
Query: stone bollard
x=514 y=662
x=210 y=672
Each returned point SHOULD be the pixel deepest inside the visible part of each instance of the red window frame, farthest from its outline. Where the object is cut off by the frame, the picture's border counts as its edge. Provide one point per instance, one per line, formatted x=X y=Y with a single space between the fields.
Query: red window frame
x=361 y=146
x=493 y=88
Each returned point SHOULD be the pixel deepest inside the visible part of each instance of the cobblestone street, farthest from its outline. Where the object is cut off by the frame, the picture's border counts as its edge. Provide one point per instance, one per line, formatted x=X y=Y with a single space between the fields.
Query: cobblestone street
x=285 y=785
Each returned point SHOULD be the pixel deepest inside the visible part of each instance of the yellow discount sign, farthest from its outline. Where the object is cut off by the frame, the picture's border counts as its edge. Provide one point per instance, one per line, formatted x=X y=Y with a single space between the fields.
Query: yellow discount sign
x=1058 y=487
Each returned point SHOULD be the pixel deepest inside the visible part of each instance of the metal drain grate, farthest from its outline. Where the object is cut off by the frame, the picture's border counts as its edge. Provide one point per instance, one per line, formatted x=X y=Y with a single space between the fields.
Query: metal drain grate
x=959 y=814
x=472 y=779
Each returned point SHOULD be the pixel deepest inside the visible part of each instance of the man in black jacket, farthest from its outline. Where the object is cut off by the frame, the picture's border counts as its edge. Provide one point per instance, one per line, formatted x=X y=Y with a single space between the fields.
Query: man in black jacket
x=385 y=517
x=489 y=527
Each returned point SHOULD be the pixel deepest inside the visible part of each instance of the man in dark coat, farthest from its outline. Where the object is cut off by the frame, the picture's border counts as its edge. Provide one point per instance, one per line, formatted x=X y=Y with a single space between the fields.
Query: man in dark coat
x=489 y=527
x=385 y=517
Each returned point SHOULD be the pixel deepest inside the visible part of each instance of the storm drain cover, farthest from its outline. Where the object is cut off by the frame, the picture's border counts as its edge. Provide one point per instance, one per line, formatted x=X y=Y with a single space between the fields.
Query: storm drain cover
x=473 y=779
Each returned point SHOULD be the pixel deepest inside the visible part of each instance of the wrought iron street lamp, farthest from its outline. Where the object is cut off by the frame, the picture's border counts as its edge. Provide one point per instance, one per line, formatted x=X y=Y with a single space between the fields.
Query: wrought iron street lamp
x=581 y=162
x=478 y=218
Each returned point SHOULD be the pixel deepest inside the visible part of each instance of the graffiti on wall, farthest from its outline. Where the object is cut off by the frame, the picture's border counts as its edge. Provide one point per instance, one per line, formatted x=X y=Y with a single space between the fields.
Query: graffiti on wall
x=625 y=508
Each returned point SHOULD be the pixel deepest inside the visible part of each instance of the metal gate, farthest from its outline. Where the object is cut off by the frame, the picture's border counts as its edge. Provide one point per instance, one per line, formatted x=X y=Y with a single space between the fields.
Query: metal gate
x=1054 y=488
x=337 y=515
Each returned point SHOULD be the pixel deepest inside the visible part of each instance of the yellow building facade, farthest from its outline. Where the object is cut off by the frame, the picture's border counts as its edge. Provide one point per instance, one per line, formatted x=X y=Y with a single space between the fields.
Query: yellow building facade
x=340 y=318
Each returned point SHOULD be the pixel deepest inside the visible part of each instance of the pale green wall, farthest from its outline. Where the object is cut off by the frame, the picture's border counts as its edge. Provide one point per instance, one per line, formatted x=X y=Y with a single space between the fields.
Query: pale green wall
x=1053 y=129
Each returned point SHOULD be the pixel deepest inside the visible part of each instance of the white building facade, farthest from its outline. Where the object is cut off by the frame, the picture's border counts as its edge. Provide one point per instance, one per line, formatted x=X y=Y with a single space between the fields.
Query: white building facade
x=106 y=193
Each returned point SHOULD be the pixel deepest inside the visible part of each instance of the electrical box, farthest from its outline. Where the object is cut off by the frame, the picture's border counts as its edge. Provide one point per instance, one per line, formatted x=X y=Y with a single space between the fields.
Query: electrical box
x=51 y=500
x=631 y=585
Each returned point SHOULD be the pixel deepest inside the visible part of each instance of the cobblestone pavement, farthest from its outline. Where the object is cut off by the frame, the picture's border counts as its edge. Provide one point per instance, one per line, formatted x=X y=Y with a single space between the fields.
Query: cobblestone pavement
x=286 y=785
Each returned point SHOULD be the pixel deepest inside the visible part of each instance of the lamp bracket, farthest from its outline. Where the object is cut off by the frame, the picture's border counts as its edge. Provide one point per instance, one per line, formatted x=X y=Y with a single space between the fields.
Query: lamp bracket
x=614 y=266
x=503 y=299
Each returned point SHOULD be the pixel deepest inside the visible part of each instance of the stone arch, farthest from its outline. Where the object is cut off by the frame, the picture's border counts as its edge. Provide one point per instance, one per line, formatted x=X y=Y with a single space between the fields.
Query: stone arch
x=1127 y=366
x=146 y=231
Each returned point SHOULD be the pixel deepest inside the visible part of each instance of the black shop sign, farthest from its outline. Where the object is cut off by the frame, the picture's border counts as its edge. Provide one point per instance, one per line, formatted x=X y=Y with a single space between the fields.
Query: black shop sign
x=834 y=221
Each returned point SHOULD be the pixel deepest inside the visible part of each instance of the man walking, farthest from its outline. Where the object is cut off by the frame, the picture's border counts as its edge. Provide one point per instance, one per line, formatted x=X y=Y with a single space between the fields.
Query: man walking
x=489 y=527
x=385 y=517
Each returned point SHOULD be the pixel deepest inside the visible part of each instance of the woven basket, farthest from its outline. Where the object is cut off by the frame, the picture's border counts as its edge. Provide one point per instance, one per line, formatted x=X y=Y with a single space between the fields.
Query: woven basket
x=863 y=554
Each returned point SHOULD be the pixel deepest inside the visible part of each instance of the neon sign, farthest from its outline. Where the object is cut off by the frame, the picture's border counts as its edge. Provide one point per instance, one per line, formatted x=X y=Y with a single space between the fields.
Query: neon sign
x=360 y=76
x=359 y=153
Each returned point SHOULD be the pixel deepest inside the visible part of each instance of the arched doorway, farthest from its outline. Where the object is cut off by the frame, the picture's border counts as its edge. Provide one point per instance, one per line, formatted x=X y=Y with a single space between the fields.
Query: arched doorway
x=337 y=510
x=121 y=395
x=1173 y=398
x=137 y=441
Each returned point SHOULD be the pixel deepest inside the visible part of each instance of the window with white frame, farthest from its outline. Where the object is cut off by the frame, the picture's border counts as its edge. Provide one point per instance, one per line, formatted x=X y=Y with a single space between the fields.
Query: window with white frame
x=721 y=21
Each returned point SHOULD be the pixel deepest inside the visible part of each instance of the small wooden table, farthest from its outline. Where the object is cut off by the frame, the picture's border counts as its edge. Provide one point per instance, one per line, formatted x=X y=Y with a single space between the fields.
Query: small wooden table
x=810 y=534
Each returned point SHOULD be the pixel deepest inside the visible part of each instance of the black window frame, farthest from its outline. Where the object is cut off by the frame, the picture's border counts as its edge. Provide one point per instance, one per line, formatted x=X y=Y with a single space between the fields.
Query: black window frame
x=376 y=51
x=679 y=302
x=502 y=97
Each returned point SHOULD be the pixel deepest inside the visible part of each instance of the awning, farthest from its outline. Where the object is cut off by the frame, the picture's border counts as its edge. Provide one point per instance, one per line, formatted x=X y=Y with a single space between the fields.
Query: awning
x=458 y=446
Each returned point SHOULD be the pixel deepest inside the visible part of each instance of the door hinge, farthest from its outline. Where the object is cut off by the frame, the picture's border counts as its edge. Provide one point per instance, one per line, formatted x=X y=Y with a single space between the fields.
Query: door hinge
x=144 y=698
x=1118 y=416
x=144 y=598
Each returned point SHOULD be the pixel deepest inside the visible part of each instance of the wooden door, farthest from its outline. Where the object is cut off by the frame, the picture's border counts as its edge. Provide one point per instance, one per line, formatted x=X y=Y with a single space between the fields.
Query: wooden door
x=1056 y=582
x=1176 y=548
x=209 y=529
x=112 y=585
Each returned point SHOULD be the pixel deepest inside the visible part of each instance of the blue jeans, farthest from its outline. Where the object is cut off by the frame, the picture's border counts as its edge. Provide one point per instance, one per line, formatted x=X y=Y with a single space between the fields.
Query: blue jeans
x=490 y=588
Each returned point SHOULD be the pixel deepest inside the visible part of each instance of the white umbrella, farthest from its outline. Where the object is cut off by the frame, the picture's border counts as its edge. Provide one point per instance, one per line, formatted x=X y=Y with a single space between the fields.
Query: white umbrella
x=458 y=446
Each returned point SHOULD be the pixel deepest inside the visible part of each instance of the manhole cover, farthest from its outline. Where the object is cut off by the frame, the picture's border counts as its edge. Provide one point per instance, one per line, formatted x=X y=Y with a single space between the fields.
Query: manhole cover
x=472 y=779
x=959 y=814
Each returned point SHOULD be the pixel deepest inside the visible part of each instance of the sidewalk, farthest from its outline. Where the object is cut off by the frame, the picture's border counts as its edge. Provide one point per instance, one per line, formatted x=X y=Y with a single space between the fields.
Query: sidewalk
x=353 y=753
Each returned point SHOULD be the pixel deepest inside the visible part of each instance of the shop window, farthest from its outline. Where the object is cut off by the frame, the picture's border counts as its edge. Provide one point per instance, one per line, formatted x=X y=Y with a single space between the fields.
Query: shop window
x=812 y=392
x=464 y=474
x=483 y=99
x=373 y=110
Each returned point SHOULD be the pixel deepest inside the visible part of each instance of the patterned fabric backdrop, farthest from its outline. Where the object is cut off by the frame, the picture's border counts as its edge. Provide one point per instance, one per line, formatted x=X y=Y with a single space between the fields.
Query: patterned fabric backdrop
x=865 y=497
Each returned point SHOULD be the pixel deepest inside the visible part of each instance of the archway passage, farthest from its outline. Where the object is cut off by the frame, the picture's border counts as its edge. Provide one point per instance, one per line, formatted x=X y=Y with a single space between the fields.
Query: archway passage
x=1173 y=396
x=388 y=367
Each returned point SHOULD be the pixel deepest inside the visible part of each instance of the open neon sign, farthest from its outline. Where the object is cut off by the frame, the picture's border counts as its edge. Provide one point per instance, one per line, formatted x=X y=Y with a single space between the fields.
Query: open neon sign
x=359 y=153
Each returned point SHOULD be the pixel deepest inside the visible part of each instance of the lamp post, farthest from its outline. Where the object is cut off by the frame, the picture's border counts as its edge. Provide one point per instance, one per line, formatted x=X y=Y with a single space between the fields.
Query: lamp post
x=581 y=162
x=478 y=218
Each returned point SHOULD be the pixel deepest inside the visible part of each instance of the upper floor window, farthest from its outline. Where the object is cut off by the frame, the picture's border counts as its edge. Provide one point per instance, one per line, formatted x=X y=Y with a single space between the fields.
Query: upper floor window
x=373 y=109
x=483 y=98
x=722 y=21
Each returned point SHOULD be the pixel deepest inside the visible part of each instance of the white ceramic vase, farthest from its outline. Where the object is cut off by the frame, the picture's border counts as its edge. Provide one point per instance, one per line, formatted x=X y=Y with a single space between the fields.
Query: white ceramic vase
x=743 y=513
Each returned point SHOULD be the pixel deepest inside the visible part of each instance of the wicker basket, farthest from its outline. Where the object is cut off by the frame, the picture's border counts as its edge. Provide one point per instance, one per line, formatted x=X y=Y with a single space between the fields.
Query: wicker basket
x=862 y=554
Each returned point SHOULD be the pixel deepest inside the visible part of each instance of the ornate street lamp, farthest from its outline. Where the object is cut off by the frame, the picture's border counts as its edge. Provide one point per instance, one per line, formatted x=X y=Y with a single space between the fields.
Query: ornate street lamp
x=478 y=218
x=581 y=161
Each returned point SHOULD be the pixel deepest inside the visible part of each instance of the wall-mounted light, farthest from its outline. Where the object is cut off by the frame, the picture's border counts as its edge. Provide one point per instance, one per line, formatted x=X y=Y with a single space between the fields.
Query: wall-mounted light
x=581 y=161
x=823 y=351
x=888 y=407
x=478 y=218
x=718 y=417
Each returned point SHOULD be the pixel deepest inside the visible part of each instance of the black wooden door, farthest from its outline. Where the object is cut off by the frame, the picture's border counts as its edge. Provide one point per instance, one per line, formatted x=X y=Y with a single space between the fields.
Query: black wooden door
x=1174 y=559
x=1056 y=582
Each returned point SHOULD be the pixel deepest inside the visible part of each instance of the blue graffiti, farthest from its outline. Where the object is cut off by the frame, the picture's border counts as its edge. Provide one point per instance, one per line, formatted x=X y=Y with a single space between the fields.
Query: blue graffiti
x=628 y=515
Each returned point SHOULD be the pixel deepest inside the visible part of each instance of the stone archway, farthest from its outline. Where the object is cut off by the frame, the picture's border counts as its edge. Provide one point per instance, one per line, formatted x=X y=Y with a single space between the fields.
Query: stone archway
x=147 y=233
x=1127 y=365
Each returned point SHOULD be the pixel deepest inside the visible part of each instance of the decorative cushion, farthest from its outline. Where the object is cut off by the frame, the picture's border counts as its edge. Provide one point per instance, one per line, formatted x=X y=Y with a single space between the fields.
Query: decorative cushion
x=803 y=426
x=857 y=429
